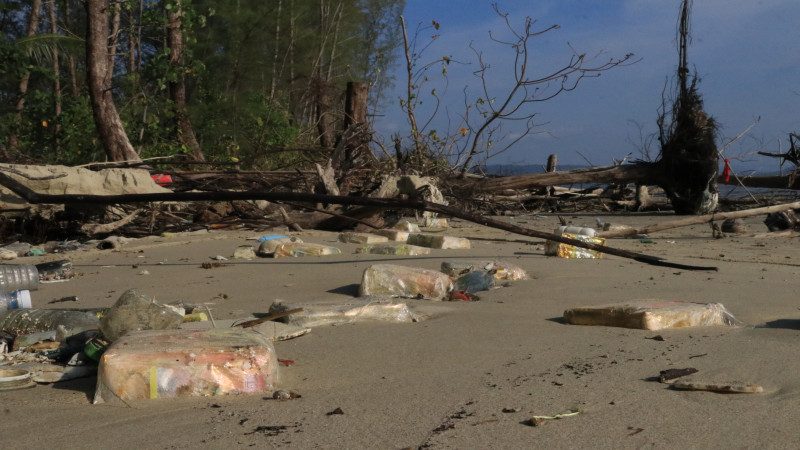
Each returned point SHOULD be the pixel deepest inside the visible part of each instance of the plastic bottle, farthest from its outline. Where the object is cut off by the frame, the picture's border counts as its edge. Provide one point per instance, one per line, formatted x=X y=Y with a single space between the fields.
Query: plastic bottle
x=136 y=311
x=24 y=321
x=15 y=300
x=15 y=277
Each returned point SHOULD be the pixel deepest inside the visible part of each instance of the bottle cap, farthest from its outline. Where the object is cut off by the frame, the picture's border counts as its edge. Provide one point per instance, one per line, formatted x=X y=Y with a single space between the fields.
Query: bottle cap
x=24 y=299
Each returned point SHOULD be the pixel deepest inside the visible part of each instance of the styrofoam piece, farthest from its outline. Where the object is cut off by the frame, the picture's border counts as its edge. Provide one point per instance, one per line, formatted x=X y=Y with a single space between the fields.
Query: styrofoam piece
x=652 y=315
x=359 y=309
x=553 y=248
x=362 y=238
x=403 y=281
x=394 y=249
x=437 y=241
x=502 y=270
x=155 y=364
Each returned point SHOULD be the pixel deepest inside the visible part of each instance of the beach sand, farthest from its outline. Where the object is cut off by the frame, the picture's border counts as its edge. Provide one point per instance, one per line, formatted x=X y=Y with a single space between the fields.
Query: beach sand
x=473 y=373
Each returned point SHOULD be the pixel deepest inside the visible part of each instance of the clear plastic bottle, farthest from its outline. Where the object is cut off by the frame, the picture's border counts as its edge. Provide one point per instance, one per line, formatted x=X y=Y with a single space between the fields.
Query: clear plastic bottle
x=24 y=321
x=15 y=300
x=15 y=277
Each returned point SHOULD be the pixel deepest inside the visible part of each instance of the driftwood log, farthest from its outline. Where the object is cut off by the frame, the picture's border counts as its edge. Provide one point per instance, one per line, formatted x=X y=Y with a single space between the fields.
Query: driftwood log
x=386 y=203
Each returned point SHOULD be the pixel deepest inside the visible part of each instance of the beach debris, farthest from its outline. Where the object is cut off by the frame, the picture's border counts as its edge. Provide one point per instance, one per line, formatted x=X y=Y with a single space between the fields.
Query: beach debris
x=244 y=252
x=501 y=270
x=12 y=379
x=298 y=249
x=55 y=270
x=393 y=235
x=652 y=315
x=511 y=410
x=69 y=298
x=718 y=386
x=274 y=331
x=335 y=412
x=136 y=311
x=438 y=241
x=16 y=277
x=219 y=258
x=403 y=281
x=211 y=265
x=54 y=373
x=670 y=375
x=359 y=309
x=112 y=243
x=735 y=226
x=554 y=248
x=394 y=249
x=155 y=364
x=463 y=296
x=361 y=238
x=435 y=222
x=782 y=220
x=26 y=321
x=476 y=280
x=283 y=395
x=539 y=420
x=268 y=244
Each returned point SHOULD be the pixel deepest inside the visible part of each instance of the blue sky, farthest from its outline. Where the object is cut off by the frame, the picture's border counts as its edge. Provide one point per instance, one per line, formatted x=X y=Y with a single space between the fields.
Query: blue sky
x=745 y=51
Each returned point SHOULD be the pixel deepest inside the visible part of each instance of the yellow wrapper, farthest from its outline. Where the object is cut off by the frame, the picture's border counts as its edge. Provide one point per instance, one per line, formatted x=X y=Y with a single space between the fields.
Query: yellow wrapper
x=553 y=248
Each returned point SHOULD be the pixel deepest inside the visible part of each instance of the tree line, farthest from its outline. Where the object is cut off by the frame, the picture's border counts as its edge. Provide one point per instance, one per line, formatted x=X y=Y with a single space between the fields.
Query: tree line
x=225 y=80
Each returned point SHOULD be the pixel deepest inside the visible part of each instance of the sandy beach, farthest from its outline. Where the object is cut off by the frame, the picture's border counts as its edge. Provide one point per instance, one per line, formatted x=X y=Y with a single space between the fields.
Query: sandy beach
x=472 y=374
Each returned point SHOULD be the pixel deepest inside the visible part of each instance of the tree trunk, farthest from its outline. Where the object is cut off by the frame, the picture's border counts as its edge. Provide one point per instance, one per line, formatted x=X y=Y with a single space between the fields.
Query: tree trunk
x=177 y=88
x=644 y=173
x=56 y=82
x=99 y=55
x=13 y=137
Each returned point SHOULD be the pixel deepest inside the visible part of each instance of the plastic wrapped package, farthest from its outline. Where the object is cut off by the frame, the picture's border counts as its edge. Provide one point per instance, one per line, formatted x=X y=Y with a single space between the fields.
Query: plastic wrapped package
x=437 y=241
x=393 y=235
x=184 y=363
x=296 y=249
x=268 y=244
x=360 y=309
x=553 y=248
x=362 y=238
x=407 y=226
x=476 y=280
x=394 y=249
x=502 y=270
x=402 y=281
x=136 y=311
x=652 y=315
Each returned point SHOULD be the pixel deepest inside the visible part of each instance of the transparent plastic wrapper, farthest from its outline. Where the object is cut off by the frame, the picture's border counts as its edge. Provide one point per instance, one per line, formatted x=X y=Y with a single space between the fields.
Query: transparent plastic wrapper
x=407 y=226
x=15 y=277
x=502 y=270
x=136 y=311
x=394 y=249
x=362 y=238
x=553 y=248
x=297 y=249
x=652 y=315
x=402 y=281
x=184 y=363
x=437 y=241
x=270 y=243
x=359 y=309
x=476 y=280
x=25 y=321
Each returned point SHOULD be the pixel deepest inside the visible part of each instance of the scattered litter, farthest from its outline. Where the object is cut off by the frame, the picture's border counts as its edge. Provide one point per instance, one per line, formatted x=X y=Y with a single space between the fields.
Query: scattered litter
x=70 y=298
x=136 y=311
x=652 y=315
x=362 y=238
x=502 y=270
x=394 y=249
x=244 y=252
x=11 y=379
x=437 y=241
x=393 y=235
x=269 y=244
x=284 y=395
x=179 y=363
x=360 y=309
x=553 y=248
x=25 y=321
x=670 y=375
x=54 y=373
x=337 y=411
x=402 y=281
x=539 y=420
x=297 y=249
x=219 y=258
x=274 y=331
x=718 y=386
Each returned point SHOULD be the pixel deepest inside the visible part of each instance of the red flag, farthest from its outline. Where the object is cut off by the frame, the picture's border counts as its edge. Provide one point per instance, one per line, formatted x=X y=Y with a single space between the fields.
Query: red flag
x=726 y=172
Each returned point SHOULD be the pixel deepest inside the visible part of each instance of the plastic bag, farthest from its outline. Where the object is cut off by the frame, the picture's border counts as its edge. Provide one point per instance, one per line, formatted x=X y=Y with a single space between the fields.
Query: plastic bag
x=402 y=281
x=358 y=310
x=652 y=315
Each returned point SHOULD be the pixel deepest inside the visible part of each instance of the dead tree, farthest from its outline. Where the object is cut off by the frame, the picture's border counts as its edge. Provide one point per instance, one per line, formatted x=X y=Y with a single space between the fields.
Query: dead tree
x=689 y=157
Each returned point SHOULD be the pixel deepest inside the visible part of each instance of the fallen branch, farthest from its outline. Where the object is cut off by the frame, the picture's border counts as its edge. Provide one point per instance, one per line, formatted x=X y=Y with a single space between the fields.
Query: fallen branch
x=387 y=203
x=694 y=220
x=92 y=229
